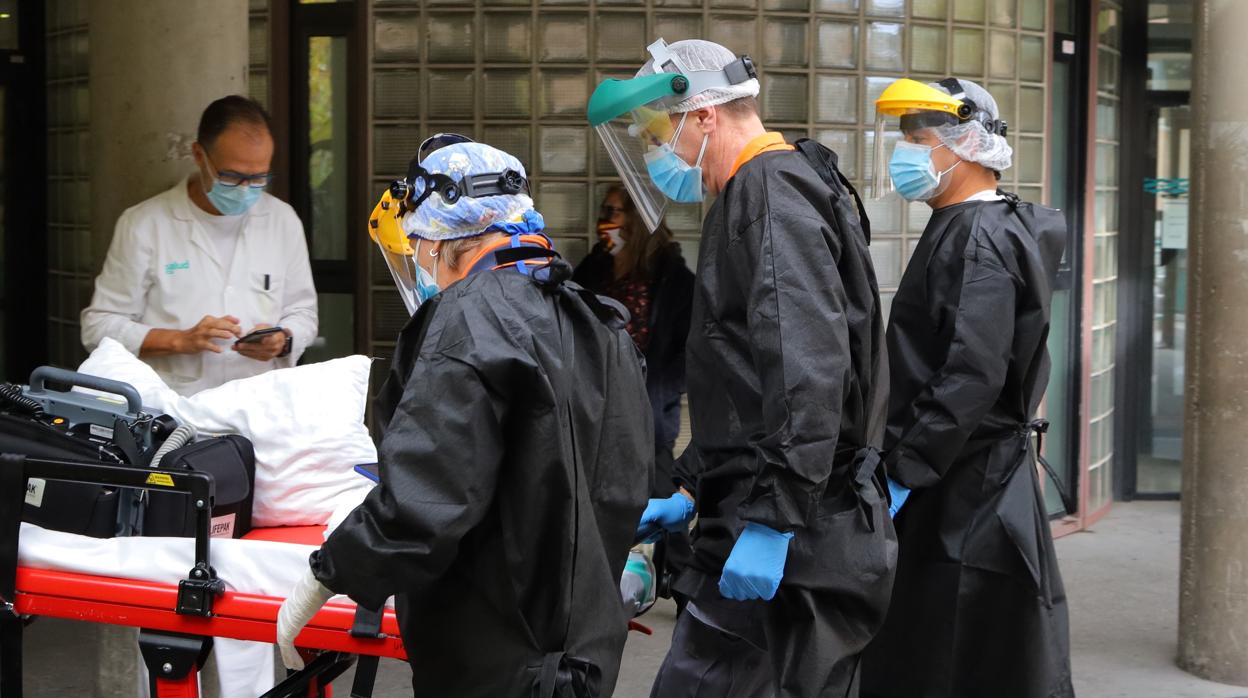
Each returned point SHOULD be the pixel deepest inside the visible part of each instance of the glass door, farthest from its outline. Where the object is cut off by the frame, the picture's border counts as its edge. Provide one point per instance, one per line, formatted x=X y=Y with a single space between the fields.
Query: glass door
x=324 y=156
x=1160 y=431
x=4 y=232
x=1155 y=255
x=23 y=176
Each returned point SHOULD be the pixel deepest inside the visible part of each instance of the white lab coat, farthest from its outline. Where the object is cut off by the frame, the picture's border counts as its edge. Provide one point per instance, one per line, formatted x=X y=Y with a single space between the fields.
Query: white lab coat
x=162 y=272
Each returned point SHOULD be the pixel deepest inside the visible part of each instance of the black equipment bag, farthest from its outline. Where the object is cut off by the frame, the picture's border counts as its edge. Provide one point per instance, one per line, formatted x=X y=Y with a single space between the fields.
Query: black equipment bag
x=89 y=510
x=51 y=420
x=231 y=462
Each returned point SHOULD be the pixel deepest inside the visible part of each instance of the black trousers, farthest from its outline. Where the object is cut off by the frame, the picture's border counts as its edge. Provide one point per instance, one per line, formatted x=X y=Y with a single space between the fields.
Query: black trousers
x=789 y=647
x=713 y=661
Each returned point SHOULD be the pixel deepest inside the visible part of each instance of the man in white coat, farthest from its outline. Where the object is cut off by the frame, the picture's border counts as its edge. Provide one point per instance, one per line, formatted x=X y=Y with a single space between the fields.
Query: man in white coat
x=192 y=270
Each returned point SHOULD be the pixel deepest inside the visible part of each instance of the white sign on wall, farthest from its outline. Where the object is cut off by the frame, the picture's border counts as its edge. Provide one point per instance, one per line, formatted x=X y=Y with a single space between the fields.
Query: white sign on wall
x=1174 y=224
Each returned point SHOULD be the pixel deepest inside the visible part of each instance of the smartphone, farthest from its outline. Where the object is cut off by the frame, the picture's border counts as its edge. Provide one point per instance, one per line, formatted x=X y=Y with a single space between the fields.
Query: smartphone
x=258 y=335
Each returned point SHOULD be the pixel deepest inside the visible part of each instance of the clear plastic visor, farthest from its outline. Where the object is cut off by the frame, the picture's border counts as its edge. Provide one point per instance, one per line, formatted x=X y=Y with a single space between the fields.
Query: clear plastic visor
x=403 y=271
x=884 y=138
x=385 y=227
x=914 y=125
x=628 y=141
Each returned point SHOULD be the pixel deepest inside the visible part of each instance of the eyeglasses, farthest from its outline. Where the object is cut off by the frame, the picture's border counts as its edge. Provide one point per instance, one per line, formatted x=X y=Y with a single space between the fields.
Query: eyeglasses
x=608 y=211
x=230 y=178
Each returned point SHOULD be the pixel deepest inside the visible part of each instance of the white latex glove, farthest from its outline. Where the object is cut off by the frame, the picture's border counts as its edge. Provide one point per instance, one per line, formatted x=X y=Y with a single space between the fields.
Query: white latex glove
x=304 y=601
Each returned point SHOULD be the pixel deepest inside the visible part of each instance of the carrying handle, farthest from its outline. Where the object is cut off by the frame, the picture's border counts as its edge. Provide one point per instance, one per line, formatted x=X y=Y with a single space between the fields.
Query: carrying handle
x=40 y=376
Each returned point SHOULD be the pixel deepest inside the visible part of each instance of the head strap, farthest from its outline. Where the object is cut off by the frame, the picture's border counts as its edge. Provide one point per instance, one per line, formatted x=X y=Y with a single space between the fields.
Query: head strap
x=698 y=81
x=970 y=111
x=419 y=184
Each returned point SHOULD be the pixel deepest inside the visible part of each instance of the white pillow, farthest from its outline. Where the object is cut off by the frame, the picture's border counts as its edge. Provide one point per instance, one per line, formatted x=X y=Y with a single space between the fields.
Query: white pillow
x=112 y=360
x=306 y=424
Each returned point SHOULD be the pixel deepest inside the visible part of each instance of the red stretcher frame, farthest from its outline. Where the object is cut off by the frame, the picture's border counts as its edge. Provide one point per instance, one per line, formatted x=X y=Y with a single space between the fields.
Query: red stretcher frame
x=133 y=602
x=174 y=645
x=237 y=615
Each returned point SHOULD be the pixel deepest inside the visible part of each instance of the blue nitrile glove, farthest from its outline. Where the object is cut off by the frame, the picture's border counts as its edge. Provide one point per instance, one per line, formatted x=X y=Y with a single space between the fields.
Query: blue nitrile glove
x=897 y=495
x=756 y=564
x=671 y=514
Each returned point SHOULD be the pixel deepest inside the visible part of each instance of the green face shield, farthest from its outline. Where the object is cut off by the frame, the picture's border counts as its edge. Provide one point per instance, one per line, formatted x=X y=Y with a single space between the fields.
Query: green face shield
x=625 y=116
x=633 y=119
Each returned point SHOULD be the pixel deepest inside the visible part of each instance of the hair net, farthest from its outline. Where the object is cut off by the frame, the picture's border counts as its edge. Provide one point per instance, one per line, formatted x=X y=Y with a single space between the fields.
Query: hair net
x=698 y=54
x=436 y=220
x=970 y=141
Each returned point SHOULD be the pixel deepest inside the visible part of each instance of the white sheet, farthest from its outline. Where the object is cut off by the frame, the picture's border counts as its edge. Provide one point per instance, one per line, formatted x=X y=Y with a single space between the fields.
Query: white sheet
x=267 y=568
x=259 y=567
x=251 y=566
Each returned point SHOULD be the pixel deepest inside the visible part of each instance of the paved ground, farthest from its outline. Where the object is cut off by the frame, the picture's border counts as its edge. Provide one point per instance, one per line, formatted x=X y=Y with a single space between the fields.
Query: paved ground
x=1122 y=579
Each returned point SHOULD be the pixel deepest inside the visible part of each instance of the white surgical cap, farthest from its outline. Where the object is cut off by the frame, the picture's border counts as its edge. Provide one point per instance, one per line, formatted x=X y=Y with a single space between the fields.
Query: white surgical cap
x=970 y=141
x=698 y=54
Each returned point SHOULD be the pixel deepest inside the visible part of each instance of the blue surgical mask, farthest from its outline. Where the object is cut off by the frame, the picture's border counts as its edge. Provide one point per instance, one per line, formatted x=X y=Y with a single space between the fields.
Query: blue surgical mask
x=233 y=201
x=426 y=283
x=914 y=176
x=677 y=179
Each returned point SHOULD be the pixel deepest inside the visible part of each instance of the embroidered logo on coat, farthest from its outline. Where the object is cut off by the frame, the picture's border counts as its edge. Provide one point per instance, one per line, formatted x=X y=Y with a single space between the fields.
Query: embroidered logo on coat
x=174 y=266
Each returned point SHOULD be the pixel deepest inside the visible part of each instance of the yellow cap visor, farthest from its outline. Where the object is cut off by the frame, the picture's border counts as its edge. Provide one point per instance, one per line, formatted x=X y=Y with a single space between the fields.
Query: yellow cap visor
x=385 y=227
x=908 y=96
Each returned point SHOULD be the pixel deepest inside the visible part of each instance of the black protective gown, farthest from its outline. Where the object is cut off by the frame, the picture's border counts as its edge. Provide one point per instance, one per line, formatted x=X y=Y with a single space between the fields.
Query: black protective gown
x=787 y=398
x=514 y=467
x=978 y=607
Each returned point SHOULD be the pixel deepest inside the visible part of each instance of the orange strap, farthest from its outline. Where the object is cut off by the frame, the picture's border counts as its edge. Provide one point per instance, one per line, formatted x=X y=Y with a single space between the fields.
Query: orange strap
x=766 y=143
x=539 y=240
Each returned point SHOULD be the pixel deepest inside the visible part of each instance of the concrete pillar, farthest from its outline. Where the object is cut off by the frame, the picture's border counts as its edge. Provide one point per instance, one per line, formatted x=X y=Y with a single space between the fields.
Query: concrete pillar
x=1213 y=592
x=154 y=66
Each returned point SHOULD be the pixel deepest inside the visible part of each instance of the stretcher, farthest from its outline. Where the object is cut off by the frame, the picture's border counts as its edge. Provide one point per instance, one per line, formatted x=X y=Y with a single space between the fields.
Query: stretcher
x=177 y=622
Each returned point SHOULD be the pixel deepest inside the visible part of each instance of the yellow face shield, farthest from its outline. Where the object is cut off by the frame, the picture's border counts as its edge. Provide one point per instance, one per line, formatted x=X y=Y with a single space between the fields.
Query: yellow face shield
x=908 y=96
x=385 y=227
x=901 y=102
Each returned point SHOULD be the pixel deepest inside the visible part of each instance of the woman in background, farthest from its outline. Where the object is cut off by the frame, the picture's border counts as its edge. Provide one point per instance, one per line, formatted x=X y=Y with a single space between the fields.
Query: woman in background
x=648 y=275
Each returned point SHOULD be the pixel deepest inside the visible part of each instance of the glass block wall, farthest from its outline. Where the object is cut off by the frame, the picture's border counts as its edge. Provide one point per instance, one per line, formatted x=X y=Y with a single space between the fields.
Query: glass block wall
x=517 y=74
x=1105 y=255
x=71 y=264
x=258 y=51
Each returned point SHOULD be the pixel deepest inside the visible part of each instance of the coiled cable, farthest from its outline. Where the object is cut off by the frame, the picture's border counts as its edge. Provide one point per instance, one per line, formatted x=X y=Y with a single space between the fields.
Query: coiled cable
x=180 y=437
x=11 y=394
